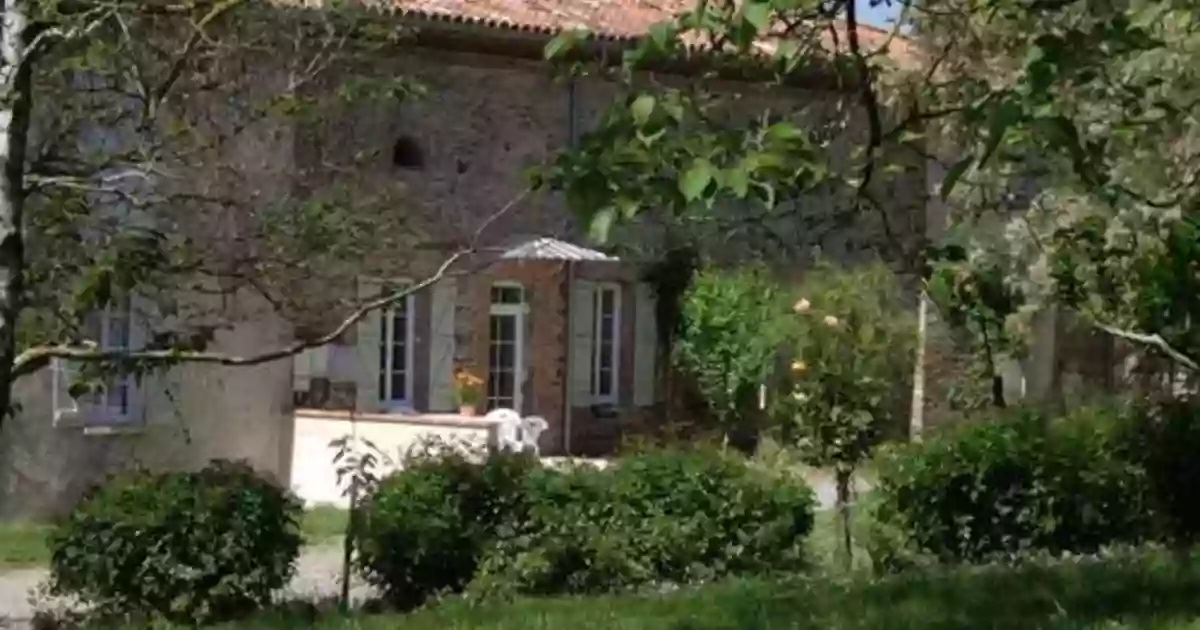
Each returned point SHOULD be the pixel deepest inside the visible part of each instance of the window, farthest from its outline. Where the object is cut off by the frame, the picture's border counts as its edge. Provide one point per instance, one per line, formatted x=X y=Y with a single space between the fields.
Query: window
x=407 y=154
x=112 y=401
x=606 y=307
x=505 y=347
x=396 y=354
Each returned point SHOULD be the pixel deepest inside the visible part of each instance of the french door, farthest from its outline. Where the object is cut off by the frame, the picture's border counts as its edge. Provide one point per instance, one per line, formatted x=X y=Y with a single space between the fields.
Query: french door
x=506 y=347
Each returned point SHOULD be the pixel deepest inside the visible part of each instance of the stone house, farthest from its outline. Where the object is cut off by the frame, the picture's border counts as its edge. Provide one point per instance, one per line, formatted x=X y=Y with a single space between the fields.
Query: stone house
x=554 y=328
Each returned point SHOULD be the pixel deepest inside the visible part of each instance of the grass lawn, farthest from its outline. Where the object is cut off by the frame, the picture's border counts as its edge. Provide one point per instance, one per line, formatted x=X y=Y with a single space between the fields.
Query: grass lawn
x=1147 y=592
x=23 y=544
x=324 y=525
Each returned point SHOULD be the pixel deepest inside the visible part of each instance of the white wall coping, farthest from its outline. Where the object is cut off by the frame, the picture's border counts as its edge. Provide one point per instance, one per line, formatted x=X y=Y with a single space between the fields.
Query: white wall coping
x=425 y=419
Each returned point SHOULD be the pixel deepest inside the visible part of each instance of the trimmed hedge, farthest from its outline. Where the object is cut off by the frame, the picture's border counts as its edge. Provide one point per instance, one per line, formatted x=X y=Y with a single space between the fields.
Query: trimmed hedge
x=1024 y=483
x=424 y=529
x=661 y=516
x=188 y=546
x=509 y=526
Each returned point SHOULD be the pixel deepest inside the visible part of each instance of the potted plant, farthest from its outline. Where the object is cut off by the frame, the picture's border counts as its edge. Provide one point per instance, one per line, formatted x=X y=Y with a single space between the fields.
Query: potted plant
x=468 y=389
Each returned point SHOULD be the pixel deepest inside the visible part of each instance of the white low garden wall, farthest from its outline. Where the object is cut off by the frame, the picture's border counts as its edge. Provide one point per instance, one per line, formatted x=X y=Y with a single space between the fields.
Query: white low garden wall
x=314 y=475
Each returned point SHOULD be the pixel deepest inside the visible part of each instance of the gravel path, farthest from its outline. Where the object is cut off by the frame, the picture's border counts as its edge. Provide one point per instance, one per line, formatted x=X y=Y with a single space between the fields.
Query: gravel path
x=318 y=576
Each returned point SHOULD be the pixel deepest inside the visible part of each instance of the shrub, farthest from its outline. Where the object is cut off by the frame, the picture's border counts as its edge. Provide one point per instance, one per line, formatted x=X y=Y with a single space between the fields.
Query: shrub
x=571 y=537
x=1165 y=443
x=659 y=516
x=1021 y=484
x=506 y=525
x=189 y=546
x=424 y=529
x=700 y=514
x=732 y=324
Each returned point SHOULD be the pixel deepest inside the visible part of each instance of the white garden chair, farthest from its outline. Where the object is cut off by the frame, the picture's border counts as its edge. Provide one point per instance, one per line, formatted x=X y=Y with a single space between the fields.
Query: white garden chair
x=508 y=428
x=531 y=429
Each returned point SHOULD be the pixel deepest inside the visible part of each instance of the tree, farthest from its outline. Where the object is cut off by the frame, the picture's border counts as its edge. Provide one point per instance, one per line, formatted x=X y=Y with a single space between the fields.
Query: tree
x=731 y=335
x=851 y=353
x=137 y=160
x=1068 y=127
x=1084 y=140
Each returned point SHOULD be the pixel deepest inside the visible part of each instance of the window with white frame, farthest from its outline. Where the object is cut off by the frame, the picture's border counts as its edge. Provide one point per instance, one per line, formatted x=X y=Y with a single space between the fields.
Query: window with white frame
x=606 y=311
x=506 y=358
x=112 y=400
x=396 y=354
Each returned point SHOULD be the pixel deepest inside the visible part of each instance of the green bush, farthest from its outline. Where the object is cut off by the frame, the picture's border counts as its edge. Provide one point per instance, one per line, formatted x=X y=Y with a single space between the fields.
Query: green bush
x=1021 y=484
x=189 y=546
x=700 y=514
x=1166 y=443
x=424 y=529
x=732 y=328
x=659 y=516
x=572 y=536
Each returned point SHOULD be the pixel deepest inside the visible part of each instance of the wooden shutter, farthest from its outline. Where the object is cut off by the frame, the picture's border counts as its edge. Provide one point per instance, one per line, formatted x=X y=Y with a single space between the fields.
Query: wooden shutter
x=143 y=313
x=302 y=371
x=645 y=346
x=67 y=412
x=444 y=298
x=366 y=377
x=310 y=364
x=582 y=333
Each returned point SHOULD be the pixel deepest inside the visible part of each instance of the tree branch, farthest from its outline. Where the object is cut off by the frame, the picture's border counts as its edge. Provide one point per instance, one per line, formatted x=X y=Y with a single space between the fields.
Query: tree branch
x=35 y=358
x=1155 y=341
x=159 y=94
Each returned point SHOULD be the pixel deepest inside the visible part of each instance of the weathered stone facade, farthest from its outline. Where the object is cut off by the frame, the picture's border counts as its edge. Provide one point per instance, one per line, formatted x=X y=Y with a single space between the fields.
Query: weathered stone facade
x=492 y=110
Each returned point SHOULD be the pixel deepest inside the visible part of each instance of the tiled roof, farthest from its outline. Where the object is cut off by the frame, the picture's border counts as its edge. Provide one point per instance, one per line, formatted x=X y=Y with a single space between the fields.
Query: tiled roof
x=545 y=248
x=606 y=19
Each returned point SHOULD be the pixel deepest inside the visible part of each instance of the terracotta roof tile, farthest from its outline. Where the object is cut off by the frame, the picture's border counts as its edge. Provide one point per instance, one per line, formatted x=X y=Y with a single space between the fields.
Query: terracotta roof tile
x=612 y=18
x=608 y=19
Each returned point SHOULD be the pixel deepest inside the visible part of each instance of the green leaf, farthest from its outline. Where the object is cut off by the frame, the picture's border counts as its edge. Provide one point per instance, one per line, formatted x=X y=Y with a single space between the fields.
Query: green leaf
x=1003 y=115
x=757 y=13
x=650 y=139
x=564 y=43
x=663 y=34
x=642 y=108
x=788 y=51
x=785 y=131
x=629 y=207
x=601 y=224
x=738 y=180
x=696 y=179
x=954 y=174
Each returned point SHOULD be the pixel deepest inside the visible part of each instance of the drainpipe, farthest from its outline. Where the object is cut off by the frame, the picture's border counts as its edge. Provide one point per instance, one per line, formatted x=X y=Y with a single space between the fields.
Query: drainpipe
x=572 y=113
x=568 y=377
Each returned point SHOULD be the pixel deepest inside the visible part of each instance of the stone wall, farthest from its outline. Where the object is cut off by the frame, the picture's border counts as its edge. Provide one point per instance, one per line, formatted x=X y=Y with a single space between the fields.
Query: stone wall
x=193 y=413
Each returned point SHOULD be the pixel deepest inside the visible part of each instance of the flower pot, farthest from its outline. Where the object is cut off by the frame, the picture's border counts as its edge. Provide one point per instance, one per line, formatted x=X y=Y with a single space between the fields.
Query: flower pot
x=466 y=410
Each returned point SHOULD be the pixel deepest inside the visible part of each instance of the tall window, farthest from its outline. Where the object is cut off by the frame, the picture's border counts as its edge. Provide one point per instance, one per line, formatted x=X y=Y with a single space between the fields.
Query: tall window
x=395 y=354
x=505 y=347
x=606 y=308
x=112 y=400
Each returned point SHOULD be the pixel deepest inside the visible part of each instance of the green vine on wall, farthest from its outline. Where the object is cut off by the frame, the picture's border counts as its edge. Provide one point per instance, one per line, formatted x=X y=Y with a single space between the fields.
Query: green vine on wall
x=671 y=277
x=974 y=295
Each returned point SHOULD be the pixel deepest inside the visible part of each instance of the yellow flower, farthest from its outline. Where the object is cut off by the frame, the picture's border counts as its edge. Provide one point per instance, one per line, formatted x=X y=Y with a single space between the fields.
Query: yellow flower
x=802 y=306
x=831 y=321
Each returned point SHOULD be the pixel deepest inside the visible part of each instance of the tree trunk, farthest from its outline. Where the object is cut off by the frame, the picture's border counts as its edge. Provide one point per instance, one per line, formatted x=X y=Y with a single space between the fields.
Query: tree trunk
x=916 y=420
x=844 y=478
x=15 y=101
